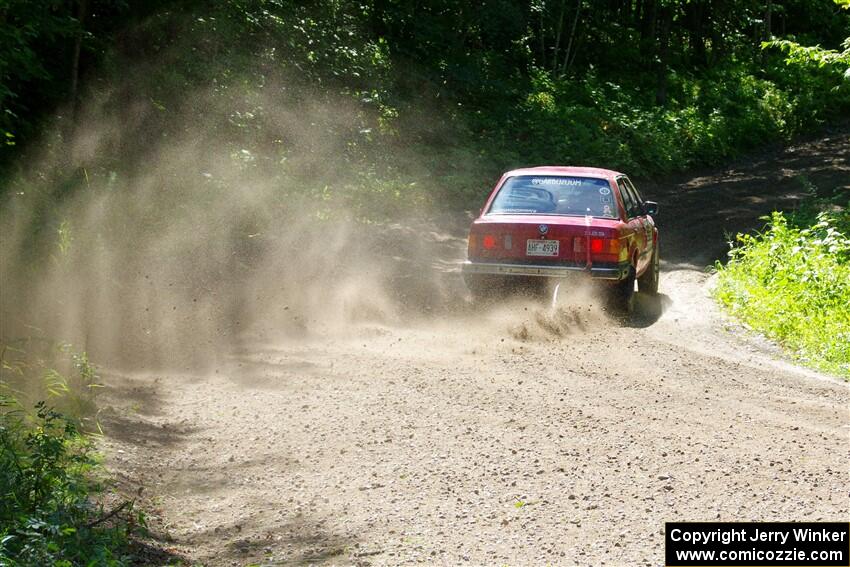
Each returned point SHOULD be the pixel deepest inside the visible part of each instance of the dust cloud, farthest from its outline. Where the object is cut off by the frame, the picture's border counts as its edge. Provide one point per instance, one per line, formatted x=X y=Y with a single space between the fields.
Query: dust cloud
x=551 y=314
x=151 y=243
x=194 y=241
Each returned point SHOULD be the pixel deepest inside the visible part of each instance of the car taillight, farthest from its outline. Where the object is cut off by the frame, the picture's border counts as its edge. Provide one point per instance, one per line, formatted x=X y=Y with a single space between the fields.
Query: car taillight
x=605 y=245
x=597 y=245
x=489 y=241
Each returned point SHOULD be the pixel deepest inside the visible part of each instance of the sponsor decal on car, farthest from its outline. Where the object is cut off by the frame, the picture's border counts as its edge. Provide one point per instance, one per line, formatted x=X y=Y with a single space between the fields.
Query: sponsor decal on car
x=555 y=181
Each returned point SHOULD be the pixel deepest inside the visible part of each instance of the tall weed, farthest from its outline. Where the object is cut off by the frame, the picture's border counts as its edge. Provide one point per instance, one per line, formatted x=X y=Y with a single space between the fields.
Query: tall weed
x=49 y=483
x=792 y=283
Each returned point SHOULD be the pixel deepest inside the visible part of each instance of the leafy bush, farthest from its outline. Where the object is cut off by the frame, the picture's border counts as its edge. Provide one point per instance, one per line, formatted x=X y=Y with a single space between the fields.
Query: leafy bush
x=34 y=369
x=792 y=283
x=50 y=478
x=47 y=482
x=711 y=117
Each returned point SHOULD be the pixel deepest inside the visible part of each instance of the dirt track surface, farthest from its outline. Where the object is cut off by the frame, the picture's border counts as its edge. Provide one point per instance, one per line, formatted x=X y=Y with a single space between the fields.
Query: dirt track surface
x=520 y=435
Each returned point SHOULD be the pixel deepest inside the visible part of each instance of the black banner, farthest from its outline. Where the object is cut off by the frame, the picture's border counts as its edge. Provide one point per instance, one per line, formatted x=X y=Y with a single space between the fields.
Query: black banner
x=762 y=544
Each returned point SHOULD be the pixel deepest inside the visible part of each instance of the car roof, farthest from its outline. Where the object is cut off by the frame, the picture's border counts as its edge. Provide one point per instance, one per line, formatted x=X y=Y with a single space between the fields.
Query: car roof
x=565 y=170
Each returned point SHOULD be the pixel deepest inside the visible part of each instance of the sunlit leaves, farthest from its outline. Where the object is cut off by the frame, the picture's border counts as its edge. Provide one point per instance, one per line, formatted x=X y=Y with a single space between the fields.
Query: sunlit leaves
x=793 y=284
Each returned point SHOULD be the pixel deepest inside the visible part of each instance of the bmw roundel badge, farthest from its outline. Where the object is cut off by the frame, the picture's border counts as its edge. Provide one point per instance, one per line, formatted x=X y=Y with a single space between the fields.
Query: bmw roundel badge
x=543 y=228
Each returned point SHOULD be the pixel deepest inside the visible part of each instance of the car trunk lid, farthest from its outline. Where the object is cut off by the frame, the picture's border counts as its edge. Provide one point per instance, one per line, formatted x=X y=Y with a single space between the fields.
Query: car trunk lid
x=540 y=240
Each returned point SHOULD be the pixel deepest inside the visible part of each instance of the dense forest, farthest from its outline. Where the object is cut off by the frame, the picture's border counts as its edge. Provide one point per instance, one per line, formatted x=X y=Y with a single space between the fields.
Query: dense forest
x=645 y=85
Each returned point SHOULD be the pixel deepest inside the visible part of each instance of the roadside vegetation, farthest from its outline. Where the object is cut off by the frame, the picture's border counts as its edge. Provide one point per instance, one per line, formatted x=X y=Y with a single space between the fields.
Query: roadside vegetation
x=53 y=486
x=791 y=281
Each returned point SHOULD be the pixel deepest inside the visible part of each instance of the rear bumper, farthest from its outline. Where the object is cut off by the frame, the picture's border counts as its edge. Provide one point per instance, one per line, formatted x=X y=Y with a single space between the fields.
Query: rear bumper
x=613 y=272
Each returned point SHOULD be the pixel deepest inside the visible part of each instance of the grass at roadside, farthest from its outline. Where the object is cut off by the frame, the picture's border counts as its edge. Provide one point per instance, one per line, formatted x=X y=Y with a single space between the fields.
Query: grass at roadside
x=52 y=485
x=791 y=282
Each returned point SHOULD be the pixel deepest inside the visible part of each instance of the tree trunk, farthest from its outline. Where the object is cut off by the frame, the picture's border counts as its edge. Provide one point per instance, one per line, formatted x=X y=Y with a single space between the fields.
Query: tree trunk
x=637 y=17
x=650 y=25
x=558 y=36
x=768 y=13
x=663 y=56
x=579 y=38
x=717 y=22
x=697 y=38
x=542 y=38
x=572 y=38
x=82 y=10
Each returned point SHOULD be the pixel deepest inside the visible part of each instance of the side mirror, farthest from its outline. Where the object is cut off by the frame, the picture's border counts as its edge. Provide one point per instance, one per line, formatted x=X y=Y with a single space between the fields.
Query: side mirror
x=650 y=208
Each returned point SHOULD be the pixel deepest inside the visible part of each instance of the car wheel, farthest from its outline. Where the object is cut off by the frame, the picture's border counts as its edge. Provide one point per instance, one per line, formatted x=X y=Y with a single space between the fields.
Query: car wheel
x=648 y=282
x=623 y=294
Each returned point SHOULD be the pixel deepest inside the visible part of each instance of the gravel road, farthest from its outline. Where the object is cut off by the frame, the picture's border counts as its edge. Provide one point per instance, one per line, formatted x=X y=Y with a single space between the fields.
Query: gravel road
x=519 y=435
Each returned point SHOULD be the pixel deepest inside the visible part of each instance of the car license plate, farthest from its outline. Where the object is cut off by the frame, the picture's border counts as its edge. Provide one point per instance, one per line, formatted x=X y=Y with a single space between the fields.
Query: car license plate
x=541 y=247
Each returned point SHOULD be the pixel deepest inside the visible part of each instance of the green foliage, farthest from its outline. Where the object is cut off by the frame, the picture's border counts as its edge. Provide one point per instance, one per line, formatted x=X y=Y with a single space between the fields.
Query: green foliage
x=617 y=124
x=50 y=478
x=648 y=87
x=33 y=370
x=809 y=57
x=47 y=482
x=792 y=283
x=25 y=25
x=797 y=54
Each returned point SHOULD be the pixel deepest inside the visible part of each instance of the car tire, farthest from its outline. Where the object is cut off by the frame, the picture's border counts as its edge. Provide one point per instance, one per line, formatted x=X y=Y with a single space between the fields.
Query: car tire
x=648 y=282
x=623 y=294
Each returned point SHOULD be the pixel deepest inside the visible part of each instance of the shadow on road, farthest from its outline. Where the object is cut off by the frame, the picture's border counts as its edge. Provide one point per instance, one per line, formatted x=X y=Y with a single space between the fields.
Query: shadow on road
x=700 y=212
x=648 y=309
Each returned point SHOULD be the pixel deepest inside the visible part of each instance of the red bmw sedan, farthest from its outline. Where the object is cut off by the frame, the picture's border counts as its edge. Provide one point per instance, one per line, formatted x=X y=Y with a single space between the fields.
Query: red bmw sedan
x=552 y=222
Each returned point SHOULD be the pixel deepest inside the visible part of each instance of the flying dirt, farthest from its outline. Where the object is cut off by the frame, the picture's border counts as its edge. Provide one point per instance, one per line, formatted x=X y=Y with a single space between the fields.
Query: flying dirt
x=286 y=385
x=388 y=421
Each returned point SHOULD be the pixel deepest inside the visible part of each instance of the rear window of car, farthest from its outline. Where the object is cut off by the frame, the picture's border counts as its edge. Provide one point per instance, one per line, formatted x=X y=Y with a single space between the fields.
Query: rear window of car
x=555 y=195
